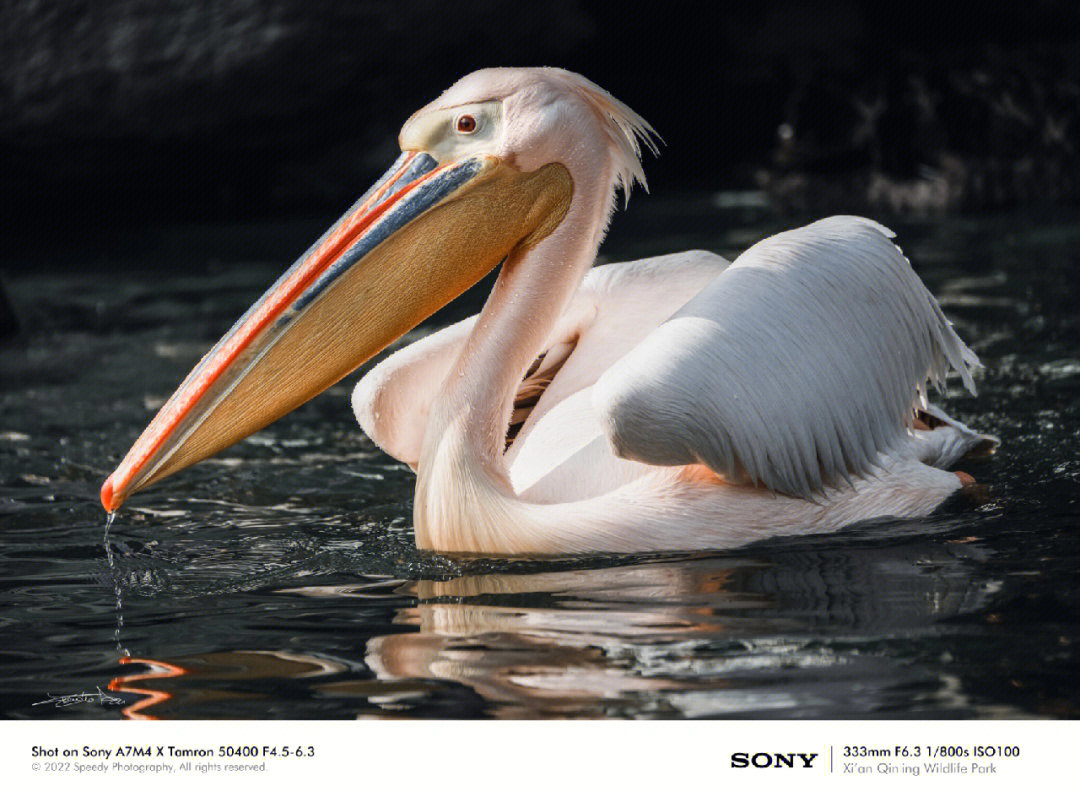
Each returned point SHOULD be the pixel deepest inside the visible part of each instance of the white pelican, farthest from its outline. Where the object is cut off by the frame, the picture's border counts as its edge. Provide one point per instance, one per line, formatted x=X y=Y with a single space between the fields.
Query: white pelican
x=678 y=402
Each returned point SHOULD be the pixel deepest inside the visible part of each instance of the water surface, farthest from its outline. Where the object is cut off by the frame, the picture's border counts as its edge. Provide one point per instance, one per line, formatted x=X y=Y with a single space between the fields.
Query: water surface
x=280 y=580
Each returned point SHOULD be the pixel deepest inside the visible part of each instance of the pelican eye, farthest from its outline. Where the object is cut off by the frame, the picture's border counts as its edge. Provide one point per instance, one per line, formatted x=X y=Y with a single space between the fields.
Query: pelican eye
x=466 y=123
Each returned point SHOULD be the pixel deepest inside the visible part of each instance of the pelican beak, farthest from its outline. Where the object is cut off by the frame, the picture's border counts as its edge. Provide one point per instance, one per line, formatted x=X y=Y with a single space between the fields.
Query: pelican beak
x=415 y=241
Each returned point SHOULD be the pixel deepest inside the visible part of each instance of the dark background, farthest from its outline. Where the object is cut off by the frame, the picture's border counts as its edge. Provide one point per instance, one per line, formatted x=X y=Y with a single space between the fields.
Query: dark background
x=116 y=114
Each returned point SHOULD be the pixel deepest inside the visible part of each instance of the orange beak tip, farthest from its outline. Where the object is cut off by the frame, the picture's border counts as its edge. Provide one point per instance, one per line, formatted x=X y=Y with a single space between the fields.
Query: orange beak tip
x=107 y=496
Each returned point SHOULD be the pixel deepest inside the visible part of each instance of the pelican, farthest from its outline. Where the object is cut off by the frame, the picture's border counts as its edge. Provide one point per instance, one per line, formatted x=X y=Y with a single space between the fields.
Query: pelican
x=672 y=403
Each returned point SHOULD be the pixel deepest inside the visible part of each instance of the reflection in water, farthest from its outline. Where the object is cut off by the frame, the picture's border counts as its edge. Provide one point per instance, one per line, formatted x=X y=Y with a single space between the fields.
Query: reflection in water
x=189 y=681
x=700 y=638
x=126 y=683
x=558 y=643
x=815 y=631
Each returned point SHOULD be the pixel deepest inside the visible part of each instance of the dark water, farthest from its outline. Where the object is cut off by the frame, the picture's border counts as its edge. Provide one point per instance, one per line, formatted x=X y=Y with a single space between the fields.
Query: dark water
x=280 y=579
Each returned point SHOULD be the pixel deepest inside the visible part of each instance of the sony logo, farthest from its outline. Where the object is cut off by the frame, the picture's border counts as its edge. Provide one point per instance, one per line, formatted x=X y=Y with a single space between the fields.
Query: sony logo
x=775 y=760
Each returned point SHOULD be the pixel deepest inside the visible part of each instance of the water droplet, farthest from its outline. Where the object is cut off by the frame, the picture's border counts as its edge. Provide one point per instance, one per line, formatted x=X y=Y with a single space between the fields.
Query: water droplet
x=114 y=571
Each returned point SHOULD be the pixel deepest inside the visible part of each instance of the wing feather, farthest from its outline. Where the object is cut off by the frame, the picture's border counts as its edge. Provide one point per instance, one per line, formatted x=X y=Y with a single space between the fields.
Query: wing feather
x=798 y=367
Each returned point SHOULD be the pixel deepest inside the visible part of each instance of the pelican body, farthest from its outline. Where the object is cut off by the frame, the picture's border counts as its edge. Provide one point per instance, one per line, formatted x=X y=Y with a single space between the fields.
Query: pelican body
x=677 y=402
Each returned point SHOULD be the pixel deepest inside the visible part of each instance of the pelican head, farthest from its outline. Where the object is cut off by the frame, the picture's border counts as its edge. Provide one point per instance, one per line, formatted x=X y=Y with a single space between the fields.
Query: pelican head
x=487 y=171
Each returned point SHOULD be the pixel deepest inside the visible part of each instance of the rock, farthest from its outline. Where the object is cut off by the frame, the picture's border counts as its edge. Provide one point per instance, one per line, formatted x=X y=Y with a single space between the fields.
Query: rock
x=114 y=111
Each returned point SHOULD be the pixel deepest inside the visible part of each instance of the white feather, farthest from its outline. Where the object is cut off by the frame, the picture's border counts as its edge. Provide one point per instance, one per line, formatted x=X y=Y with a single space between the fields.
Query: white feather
x=797 y=368
x=624 y=129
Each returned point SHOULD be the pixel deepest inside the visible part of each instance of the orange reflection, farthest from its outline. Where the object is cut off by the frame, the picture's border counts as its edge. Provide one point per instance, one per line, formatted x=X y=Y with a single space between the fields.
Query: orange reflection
x=197 y=679
x=158 y=669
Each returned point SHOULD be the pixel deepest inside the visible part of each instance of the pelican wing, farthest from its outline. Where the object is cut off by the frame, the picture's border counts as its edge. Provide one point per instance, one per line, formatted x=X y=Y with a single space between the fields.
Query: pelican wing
x=796 y=368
